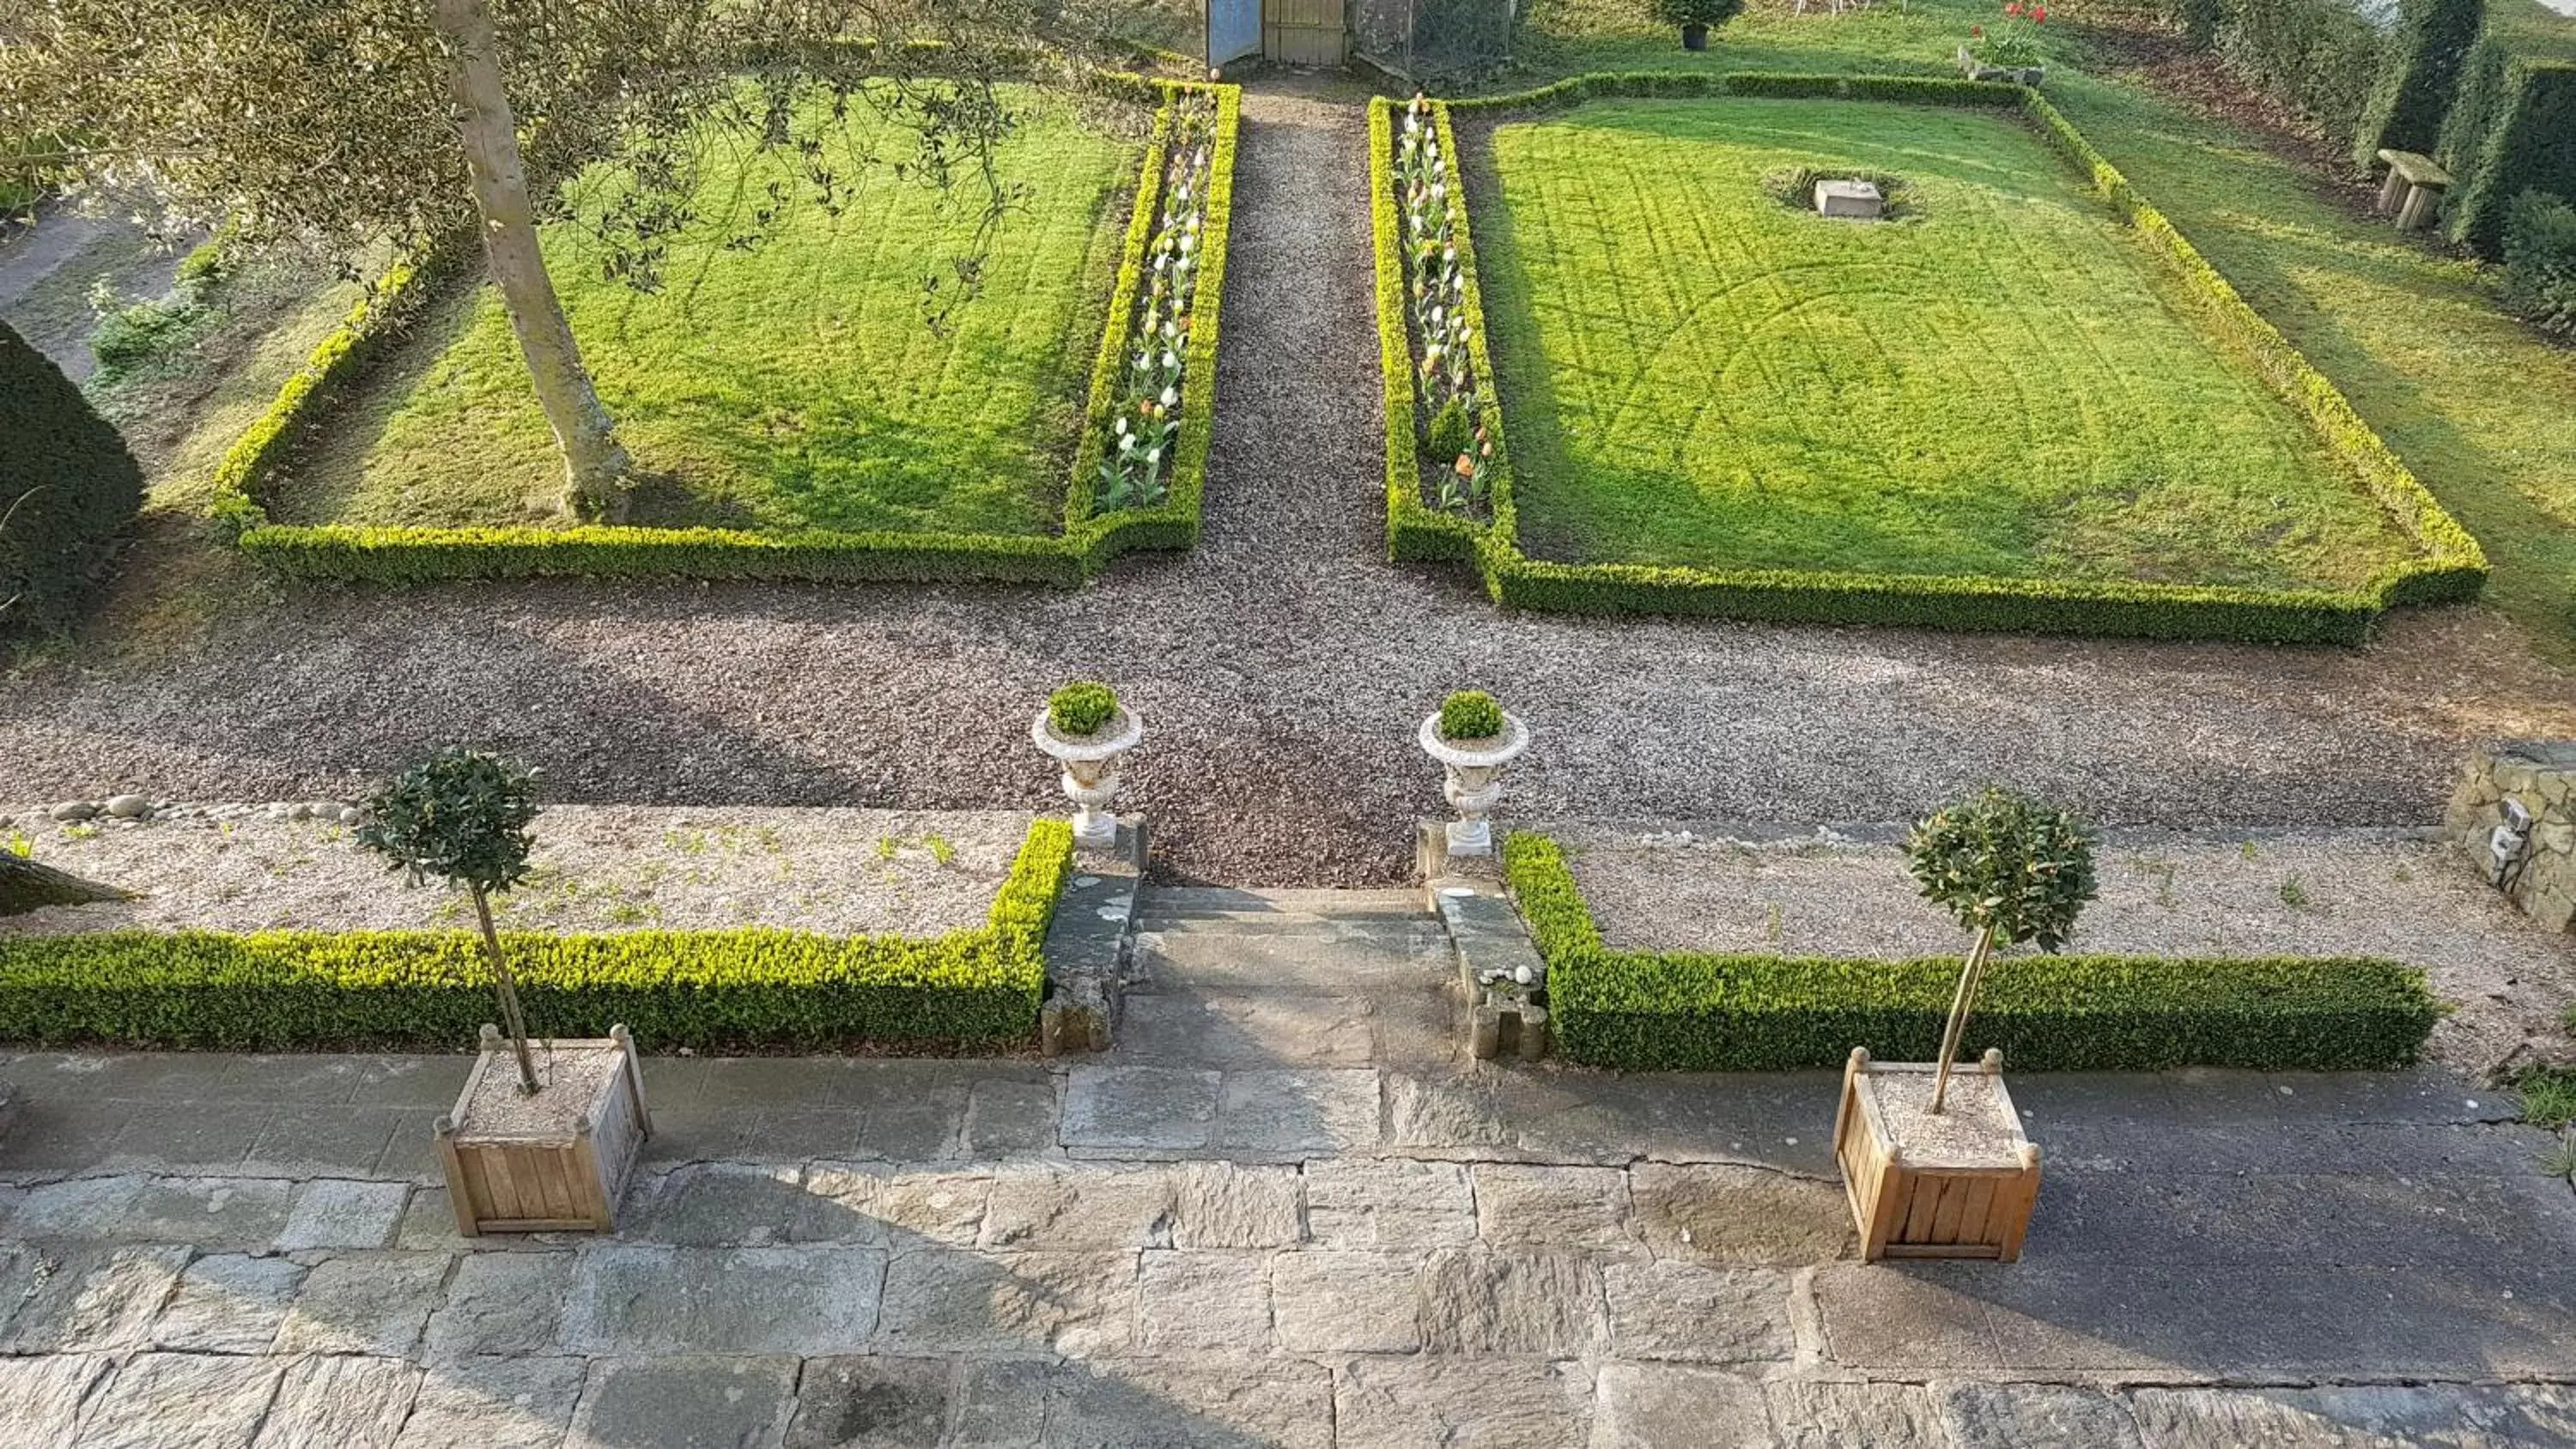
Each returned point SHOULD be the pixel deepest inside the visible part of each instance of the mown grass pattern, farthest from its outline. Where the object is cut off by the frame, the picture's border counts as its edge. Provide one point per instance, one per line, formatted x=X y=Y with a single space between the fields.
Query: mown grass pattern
x=792 y=387
x=2006 y=387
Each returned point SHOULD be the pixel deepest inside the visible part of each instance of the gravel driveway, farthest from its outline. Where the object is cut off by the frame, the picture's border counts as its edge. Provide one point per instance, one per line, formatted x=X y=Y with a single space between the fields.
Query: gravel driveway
x=1280 y=668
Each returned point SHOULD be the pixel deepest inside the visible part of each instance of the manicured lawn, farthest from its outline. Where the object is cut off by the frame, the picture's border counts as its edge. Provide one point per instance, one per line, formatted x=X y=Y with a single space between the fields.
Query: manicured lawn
x=2474 y=403
x=793 y=386
x=2007 y=384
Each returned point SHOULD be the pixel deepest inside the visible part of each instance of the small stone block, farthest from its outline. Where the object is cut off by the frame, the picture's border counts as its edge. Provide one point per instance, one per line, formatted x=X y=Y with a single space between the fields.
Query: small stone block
x=1856 y=199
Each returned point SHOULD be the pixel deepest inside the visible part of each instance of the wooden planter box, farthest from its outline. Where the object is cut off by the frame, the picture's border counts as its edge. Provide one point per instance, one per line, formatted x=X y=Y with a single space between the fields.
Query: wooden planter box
x=1956 y=1186
x=554 y=1162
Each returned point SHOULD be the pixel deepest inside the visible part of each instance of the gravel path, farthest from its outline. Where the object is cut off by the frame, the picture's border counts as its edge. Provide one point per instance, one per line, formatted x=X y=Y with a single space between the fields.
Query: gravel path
x=2299 y=893
x=1280 y=668
x=595 y=868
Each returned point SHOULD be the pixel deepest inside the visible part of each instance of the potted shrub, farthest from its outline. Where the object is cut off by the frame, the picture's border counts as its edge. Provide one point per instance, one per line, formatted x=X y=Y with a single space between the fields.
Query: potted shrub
x=1935 y=1162
x=1473 y=737
x=1696 y=16
x=530 y=1147
x=2009 y=51
x=1086 y=730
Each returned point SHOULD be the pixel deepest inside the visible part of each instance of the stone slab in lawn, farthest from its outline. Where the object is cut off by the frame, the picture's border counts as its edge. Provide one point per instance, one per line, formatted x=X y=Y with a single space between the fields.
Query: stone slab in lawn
x=633 y=1298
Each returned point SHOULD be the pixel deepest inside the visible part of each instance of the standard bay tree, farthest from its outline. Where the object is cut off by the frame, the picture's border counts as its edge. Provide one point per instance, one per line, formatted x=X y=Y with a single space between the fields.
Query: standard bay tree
x=344 y=125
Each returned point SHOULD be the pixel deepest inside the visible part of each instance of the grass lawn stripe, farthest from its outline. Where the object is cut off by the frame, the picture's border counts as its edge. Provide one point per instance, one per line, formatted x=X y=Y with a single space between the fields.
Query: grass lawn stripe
x=2009 y=386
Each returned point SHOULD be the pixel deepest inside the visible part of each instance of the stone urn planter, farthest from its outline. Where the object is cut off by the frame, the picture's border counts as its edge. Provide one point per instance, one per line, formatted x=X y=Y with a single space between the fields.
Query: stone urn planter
x=1090 y=763
x=556 y=1160
x=1959 y=1184
x=1472 y=787
x=2020 y=75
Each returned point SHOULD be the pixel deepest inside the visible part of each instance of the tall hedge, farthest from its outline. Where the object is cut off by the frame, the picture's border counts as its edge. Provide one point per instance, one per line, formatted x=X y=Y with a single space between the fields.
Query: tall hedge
x=2531 y=146
x=68 y=489
x=2318 y=55
x=2419 y=72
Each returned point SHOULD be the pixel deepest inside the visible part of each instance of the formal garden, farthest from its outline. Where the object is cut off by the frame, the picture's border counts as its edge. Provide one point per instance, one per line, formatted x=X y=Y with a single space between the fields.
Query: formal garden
x=797 y=395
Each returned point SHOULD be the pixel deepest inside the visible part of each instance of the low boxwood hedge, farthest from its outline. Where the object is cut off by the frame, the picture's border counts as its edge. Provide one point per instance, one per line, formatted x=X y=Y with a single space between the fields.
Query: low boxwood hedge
x=1691 y=1011
x=1090 y=540
x=733 y=989
x=2451 y=567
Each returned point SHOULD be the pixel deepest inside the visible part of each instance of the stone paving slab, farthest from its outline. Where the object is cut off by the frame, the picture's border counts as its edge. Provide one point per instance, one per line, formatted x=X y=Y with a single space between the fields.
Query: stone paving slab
x=1283 y=1211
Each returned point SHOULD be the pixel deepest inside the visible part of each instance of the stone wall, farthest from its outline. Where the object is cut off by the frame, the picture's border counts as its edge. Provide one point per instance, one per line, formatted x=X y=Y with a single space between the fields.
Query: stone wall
x=2529 y=852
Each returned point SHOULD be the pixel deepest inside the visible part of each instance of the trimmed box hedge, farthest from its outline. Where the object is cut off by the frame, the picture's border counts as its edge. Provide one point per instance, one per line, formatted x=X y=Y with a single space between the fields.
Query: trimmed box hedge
x=2452 y=567
x=1090 y=539
x=287 y=990
x=1689 y=1011
x=2418 y=75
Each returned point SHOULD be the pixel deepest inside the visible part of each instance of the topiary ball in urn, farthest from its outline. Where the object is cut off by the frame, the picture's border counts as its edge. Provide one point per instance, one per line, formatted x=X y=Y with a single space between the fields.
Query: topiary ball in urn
x=1695 y=17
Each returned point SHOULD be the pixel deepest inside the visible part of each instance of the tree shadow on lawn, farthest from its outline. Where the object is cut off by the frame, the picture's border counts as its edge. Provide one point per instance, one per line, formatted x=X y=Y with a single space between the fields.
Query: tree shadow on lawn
x=733 y=453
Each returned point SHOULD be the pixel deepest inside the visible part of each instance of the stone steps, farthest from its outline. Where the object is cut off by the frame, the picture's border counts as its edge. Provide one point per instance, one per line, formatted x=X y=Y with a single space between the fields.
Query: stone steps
x=1227 y=905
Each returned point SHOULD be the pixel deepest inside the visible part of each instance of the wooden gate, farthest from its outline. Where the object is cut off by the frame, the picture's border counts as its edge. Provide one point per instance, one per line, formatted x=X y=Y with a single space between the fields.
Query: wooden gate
x=1303 y=32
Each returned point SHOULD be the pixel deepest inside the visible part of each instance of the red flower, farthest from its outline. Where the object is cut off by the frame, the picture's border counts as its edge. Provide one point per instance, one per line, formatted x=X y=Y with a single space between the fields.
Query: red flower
x=2039 y=15
x=2013 y=9
x=1977 y=30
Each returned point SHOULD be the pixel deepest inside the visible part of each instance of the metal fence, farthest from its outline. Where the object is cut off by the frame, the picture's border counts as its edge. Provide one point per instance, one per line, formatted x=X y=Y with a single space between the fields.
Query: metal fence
x=1417 y=39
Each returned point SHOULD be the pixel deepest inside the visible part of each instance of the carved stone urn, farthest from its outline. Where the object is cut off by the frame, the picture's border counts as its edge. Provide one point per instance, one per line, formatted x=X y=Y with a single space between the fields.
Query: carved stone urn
x=1090 y=771
x=1473 y=786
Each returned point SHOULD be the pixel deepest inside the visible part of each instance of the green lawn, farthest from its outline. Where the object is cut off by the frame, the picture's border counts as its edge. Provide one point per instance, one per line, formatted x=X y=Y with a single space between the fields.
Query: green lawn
x=795 y=386
x=2007 y=384
x=2474 y=402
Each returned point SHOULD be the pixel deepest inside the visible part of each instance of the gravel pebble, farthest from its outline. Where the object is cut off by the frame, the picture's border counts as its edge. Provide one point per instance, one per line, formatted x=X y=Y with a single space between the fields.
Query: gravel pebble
x=596 y=868
x=1283 y=663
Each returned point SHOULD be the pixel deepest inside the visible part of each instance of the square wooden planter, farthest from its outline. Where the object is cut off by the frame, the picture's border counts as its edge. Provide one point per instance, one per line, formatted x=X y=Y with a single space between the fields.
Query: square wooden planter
x=1960 y=1185
x=554 y=1162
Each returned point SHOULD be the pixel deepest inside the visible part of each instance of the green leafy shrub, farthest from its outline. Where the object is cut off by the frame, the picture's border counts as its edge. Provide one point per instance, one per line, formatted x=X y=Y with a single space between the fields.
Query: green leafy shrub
x=1450 y=435
x=463 y=816
x=68 y=490
x=1697 y=12
x=1083 y=708
x=1686 y=1011
x=2418 y=73
x=2540 y=263
x=2006 y=866
x=205 y=265
x=1470 y=714
x=134 y=333
x=2319 y=56
x=711 y=990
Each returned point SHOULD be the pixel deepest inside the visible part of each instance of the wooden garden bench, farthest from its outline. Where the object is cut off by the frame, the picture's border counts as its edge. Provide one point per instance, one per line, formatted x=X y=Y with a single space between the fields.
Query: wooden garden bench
x=2413 y=189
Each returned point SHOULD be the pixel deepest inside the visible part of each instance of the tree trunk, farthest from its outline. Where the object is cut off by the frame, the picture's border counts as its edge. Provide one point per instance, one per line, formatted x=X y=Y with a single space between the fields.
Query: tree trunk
x=595 y=463
x=25 y=885
x=1971 y=976
x=504 y=985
